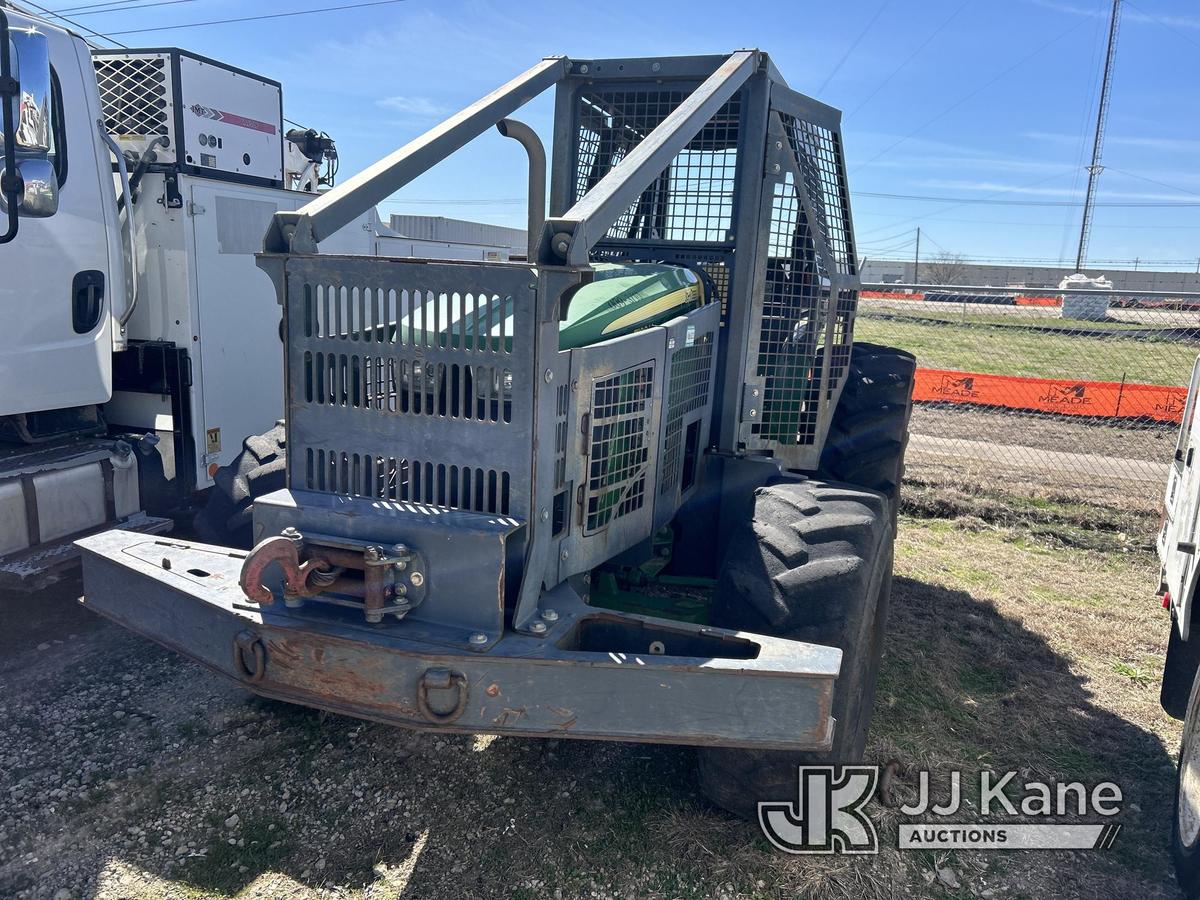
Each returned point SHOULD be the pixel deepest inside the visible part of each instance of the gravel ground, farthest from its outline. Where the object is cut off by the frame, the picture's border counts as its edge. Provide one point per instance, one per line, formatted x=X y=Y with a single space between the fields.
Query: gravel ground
x=130 y=773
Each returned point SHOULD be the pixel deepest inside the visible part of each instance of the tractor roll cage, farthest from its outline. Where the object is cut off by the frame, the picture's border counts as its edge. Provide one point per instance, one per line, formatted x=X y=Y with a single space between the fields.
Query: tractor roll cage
x=790 y=223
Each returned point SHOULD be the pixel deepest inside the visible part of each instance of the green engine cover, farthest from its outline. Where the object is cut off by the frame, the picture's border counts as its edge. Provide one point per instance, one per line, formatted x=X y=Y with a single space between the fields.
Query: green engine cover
x=627 y=297
x=621 y=299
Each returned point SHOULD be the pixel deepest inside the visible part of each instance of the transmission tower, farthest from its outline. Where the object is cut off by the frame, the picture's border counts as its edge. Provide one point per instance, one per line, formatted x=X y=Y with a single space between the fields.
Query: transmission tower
x=1096 y=168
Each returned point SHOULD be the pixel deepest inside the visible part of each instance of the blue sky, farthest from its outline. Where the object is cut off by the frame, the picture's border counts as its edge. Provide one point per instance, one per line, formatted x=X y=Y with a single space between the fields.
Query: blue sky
x=965 y=99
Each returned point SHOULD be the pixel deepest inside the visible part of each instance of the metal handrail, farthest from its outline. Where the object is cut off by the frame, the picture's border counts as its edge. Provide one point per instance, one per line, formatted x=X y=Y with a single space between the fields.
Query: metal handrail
x=302 y=230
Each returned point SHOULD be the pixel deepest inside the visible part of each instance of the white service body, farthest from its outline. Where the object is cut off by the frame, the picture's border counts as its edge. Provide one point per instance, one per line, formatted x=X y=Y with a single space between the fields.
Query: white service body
x=1177 y=540
x=200 y=289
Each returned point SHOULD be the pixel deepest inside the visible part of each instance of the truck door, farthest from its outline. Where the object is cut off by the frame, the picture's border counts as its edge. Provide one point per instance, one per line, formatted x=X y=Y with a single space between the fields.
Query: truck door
x=61 y=272
x=1177 y=542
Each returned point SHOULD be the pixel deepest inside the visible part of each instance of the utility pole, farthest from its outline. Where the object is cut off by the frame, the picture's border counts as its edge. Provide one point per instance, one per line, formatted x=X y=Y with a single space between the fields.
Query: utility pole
x=1096 y=168
x=917 y=259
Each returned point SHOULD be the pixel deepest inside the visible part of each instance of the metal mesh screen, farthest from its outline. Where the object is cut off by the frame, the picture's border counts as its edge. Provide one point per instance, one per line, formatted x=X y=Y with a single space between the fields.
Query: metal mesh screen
x=619 y=446
x=134 y=95
x=692 y=199
x=687 y=391
x=795 y=302
x=818 y=152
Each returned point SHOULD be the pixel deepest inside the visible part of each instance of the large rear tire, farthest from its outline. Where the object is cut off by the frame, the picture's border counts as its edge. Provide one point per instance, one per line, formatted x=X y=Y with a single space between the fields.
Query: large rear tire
x=869 y=432
x=259 y=469
x=813 y=564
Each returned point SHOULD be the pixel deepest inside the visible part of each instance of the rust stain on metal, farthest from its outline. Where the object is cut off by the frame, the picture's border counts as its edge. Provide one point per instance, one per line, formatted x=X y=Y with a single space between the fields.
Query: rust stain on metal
x=568 y=718
x=310 y=668
x=509 y=713
x=493 y=690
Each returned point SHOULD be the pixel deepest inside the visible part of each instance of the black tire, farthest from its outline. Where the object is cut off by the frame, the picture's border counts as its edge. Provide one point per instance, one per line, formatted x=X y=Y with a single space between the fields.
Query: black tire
x=869 y=431
x=226 y=518
x=813 y=564
x=1185 y=851
x=1179 y=671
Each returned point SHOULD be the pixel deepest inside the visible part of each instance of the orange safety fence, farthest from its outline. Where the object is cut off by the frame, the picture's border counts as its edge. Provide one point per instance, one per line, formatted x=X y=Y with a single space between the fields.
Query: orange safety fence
x=1104 y=399
x=1024 y=300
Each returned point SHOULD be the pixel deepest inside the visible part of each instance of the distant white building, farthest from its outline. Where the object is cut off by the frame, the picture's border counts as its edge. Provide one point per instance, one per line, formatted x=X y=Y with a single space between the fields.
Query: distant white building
x=494 y=241
x=970 y=273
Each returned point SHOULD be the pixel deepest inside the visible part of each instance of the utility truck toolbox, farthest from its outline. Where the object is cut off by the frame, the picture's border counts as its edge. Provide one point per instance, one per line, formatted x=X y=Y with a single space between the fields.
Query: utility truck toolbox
x=216 y=119
x=640 y=487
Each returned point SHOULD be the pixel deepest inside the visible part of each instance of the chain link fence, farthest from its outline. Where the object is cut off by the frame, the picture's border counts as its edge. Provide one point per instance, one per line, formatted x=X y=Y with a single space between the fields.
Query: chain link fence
x=1074 y=394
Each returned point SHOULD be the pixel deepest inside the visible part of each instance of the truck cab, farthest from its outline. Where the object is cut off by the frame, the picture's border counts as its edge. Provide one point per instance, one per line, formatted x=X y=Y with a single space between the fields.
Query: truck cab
x=142 y=344
x=64 y=267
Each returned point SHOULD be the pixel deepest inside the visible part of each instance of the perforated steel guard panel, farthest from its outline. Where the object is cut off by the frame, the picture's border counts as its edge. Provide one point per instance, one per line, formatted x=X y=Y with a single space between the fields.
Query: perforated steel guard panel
x=412 y=381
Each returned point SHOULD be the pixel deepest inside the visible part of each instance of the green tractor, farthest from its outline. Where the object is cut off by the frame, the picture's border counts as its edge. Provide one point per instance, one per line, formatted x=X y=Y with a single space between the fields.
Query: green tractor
x=640 y=487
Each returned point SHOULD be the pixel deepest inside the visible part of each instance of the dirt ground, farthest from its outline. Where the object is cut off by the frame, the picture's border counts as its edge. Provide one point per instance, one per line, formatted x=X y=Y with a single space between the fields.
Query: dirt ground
x=1153 y=443
x=127 y=772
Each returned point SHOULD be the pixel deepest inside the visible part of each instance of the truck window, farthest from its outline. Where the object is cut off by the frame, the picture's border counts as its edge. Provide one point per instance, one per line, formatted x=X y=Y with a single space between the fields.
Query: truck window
x=1189 y=412
x=58 y=134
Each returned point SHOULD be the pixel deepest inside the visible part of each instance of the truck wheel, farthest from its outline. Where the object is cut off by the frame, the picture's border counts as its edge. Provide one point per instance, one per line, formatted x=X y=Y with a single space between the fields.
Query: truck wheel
x=1185 y=831
x=1179 y=671
x=256 y=471
x=869 y=431
x=814 y=564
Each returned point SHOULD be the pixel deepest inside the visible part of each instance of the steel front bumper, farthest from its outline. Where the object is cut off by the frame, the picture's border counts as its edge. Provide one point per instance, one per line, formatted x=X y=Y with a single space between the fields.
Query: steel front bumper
x=592 y=675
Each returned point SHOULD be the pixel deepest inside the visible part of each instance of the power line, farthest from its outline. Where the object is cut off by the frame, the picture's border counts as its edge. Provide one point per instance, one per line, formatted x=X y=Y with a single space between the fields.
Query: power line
x=280 y=15
x=1172 y=187
x=845 y=56
x=94 y=10
x=1164 y=23
x=1020 y=62
x=81 y=27
x=991 y=201
x=1037 y=224
x=1045 y=260
x=504 y=201
x=896 y=71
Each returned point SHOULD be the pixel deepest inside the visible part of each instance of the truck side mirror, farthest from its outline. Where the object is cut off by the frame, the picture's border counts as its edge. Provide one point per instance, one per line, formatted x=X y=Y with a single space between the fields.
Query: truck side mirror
x=28 y=181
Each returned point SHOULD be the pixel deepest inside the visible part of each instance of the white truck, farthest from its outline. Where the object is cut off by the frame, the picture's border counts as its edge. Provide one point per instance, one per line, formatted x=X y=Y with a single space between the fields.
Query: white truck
x=140 y=343
x=1179 y=585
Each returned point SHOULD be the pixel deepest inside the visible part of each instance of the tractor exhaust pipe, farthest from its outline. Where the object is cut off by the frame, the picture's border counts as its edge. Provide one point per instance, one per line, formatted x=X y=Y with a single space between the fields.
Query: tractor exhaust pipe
x=528 y=139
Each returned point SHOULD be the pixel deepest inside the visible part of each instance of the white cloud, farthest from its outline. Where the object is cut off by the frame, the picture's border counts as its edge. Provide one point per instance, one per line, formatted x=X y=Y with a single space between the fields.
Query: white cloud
x=1129 y=15
x=997 y=188
x=1149 y=142
x=415 y=107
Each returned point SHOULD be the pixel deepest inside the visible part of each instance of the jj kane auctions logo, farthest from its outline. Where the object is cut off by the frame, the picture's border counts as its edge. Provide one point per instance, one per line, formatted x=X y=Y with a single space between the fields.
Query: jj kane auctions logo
x=828 y=814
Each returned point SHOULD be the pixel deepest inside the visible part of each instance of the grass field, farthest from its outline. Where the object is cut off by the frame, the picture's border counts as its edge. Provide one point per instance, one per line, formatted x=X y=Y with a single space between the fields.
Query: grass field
x=129 y=773
x=984 y=347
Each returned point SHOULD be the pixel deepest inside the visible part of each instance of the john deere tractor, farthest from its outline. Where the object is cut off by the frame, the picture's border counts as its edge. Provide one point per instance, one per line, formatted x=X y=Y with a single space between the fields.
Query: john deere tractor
x=640 y=487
